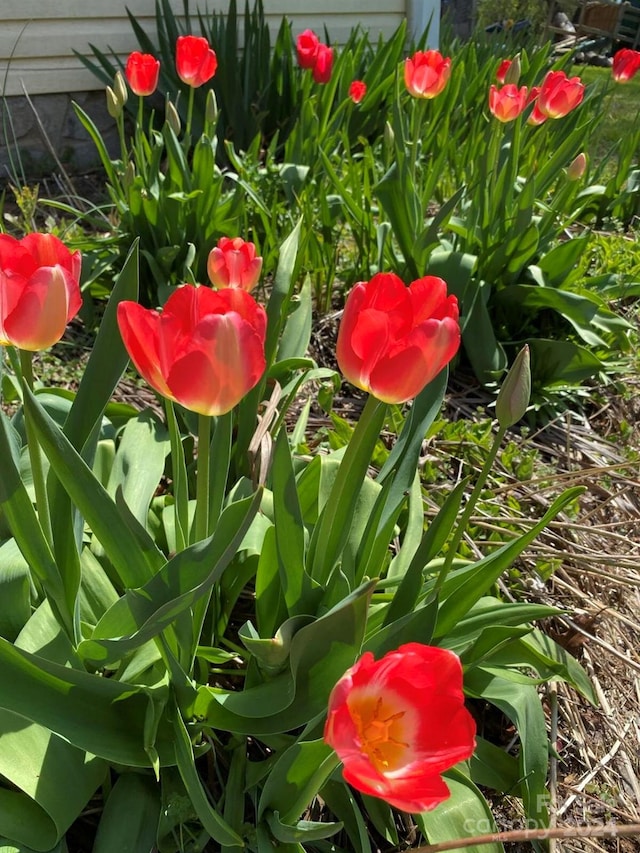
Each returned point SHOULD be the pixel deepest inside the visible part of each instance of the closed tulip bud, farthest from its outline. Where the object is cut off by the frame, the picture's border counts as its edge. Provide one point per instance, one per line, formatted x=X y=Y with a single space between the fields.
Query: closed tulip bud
x=389 y=138
x=211 y=108
x=515 y=393
x=120 y=88
x=512 y=74
x=129 y=175
x=172 y=117
x=114 y=107
x=577 y=167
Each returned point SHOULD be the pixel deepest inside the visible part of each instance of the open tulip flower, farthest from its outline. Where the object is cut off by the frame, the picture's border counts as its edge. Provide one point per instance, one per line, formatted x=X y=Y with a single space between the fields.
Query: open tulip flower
x=426 y=73
x=507 y=103
x=626 y=64
x=233 y=263
x=205 y=350
x=559 y=94
x=196 y=61
x=399 y=722
x=394 y=340
x=323 y=65
x=307 y=45
x=39 y=290
x=142 y=71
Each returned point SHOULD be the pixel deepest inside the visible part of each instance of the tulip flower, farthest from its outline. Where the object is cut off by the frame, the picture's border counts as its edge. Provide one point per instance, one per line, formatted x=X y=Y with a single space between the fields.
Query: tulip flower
x=196 y=61
x=393 y=339
x=233 y=263
x=507 y=103
x=559 y=94
x=307 y=46
x=324 y=63
x=504 y=66
x=426 y=73
x=205 y=350
x=142 y=71
x=626 y=64
x=39 y=290
x=577 y=167
x=399 y=722
x=357 y=91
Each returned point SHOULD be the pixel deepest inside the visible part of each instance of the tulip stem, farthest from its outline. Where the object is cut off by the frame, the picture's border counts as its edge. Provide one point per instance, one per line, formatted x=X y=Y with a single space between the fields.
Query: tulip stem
x=468 y=510
x=187 y=131
x=202 y=479
x=180 y=485
x=35 y=456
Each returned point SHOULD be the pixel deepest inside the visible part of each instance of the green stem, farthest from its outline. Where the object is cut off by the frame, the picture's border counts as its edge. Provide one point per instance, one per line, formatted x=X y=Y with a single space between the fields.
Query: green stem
x=202 y=481
x=468 y=510
x=180 y=485
x=192 y=92
x=35 y=457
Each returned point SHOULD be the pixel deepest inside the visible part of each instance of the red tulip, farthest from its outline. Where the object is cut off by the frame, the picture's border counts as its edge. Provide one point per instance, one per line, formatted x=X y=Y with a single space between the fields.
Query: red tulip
x=626 y=64
x=324 y=63
x=205 y=350
x=357 y=91
x=233 y=263
x=39 y=290
x=307 y=49
x=142 y=71
x=501 y=73
x=507 y=103
x=399 y=722
x=426 y=73
x=559 y=94
x=393 y=339
x=196 y=62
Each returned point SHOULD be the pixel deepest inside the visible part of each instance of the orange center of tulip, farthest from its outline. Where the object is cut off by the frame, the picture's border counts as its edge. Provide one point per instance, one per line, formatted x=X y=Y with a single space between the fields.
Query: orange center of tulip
x=381 y=731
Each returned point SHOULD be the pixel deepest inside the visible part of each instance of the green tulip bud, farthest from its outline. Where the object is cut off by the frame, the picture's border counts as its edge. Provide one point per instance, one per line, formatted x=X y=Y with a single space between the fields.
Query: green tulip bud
x=389 y=139
x=515 y=393
x=120 y=88
x=513 y=74
x=211 y=108
x=129 y=174
x=577 y=167
x=172 y=117
x=114 y=107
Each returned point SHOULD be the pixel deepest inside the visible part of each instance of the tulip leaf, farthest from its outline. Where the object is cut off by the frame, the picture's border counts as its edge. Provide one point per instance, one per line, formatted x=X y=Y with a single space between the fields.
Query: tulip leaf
x=129 y=821
x=343 y=804
x=463 y=588
x=142 y=614
x=23 y=522
x=295 y=338
x=15 y=590
x=277 y=307
x=463 y=814
x=129 y=547
x=521 y=704
x=320 y=654
x=93 y=713
x=561 y=362
x=494 y=768
x=303 y=831
x=213 y=823
x=296 y=777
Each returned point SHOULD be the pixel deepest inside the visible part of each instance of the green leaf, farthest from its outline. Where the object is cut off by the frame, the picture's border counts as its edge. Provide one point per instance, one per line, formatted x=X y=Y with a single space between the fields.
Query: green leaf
x=561 y=362
x=129 y=820
x=343 y=804
x=295 y=338
x=303 y=831
x=296 y=777
x=465 y=813
x=15 y=590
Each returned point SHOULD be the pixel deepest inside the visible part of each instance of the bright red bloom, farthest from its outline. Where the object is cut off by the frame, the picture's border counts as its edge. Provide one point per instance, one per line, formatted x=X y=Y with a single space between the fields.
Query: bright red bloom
x=357 y=91
x=39 y=290
x=426 y=73
x=307 y=46
x=559 y=94
x=394 y=340
x=196 y=62
x=626 y=64
x=142 y=71
x=233 y=263
x=324 y=63
x=507 y=103
x=399 y=722
x=205 y=350
x=501 y=73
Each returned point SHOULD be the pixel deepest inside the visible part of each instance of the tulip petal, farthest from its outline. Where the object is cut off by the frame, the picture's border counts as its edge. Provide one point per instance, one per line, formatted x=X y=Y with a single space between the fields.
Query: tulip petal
x=141 y=335
x=42 y=310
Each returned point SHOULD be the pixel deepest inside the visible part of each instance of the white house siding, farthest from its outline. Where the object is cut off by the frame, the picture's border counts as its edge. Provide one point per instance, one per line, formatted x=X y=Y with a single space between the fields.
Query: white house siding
x=38 y=37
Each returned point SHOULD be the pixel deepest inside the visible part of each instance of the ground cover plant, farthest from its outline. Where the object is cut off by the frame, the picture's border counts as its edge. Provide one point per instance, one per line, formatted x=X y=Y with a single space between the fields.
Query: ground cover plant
x=234 y=632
